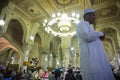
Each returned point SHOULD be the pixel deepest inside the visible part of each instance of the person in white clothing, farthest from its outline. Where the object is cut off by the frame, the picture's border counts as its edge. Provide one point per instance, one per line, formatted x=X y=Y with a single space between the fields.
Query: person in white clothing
x=93 y=60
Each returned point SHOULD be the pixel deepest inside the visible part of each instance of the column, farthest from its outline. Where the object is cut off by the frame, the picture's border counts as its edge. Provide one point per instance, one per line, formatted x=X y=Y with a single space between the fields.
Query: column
x=73 y=56
x=54 y=61
x=26 y=49
x=9 y=59
x=118 y=38
x=12 y=58
x=61 y=63
x=48 y=60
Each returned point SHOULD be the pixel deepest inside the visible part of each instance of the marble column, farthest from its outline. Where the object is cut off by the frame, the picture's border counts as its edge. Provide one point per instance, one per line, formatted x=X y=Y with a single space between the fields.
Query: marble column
x=48 y=60
x=61 y=63
x=54 y=61
x=26 y=49
x=72 y=51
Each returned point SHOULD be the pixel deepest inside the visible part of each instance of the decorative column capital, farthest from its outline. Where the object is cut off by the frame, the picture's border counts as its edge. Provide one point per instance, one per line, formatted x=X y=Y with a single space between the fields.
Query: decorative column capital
x=54 y=56
x=27 y=47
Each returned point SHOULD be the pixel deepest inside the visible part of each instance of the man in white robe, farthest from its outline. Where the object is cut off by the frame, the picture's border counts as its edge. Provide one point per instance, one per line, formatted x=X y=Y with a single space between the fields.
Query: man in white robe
x=93 y=60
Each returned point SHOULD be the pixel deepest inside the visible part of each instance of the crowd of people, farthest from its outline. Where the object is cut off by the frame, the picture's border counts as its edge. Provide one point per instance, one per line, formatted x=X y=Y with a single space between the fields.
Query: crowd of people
x=70 y=73
x=55 y=74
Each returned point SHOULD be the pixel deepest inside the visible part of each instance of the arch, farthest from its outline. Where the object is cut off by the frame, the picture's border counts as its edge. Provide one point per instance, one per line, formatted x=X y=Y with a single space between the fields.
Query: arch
x=112 y=43
x=109 y=49
x=6 y=44
x=6 y=56
x=37 y=37
x=112 y=34
x=17 y=45
x=15 y=30
x=23 y=26
x=108 y=26
x=36 y=49
x=56 y=39
x=55 y=44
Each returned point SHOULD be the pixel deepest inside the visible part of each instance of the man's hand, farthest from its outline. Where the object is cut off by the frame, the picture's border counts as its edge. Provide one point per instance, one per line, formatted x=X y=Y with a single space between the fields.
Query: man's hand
x=102 y=37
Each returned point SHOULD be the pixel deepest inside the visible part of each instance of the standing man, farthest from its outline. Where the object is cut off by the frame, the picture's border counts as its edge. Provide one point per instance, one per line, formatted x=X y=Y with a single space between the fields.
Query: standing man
x=93 y=60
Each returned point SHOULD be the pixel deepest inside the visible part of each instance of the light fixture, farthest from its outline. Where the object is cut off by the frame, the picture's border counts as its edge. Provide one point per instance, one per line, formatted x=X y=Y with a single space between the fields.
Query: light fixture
x=62 y=24
x=72 y=48
x=58 y=62
x=2 y=23
x=32 y=38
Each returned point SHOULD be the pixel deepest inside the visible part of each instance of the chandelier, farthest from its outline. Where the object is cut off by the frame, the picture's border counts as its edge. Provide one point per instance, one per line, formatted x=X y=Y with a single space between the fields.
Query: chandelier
x=62 y=24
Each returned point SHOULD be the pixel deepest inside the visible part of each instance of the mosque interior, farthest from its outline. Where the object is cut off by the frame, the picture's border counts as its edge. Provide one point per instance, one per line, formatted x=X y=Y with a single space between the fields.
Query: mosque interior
x=24 y=41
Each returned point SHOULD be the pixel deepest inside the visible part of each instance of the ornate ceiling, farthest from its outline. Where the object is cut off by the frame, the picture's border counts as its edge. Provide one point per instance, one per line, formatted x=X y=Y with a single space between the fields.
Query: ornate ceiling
x=39 y=9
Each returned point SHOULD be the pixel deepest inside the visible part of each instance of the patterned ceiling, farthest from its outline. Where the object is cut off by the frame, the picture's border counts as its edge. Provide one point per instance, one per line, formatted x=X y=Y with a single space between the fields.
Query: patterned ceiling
x=37 y=10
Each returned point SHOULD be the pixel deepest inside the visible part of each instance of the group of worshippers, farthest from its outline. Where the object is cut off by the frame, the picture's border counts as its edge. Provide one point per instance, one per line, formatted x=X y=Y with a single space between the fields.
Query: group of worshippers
x=69 y=74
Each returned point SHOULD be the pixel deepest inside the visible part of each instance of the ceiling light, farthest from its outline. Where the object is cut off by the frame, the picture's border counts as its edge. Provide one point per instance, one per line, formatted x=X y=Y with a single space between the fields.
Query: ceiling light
x=62 y=24
x=2 y=22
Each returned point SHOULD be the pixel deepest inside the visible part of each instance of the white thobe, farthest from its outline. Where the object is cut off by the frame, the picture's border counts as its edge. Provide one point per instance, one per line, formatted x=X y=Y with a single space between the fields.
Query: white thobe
x=93 y=60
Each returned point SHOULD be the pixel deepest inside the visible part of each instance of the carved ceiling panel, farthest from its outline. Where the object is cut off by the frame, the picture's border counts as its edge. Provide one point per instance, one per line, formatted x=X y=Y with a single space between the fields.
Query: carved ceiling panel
x=107 y=12
x=40 y=9
x=31 y=8
x=67 y=4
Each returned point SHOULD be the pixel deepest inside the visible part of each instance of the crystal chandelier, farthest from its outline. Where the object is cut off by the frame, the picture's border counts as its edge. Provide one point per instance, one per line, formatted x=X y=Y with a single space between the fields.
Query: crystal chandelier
x=61 y=24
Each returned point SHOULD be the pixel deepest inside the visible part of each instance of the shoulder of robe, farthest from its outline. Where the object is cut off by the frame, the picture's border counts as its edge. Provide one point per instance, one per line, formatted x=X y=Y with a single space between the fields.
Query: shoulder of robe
x=81 y=24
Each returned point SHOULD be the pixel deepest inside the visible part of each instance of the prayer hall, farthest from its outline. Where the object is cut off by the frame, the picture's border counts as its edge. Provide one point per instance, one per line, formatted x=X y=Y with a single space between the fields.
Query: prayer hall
x=38 y=37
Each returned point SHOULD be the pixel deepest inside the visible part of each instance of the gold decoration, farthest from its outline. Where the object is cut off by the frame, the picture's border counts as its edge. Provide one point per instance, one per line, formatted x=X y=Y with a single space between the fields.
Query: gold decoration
x=26 y=63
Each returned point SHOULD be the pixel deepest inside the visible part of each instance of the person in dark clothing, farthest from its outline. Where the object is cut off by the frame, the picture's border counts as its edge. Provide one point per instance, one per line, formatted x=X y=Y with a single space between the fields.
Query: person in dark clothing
x=7 y=75
x=57 y=74
x=19 y=76
x=70 y=75
x=78 y=75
